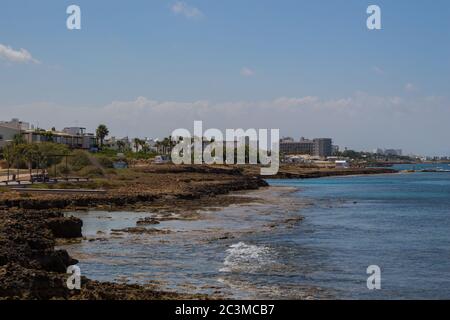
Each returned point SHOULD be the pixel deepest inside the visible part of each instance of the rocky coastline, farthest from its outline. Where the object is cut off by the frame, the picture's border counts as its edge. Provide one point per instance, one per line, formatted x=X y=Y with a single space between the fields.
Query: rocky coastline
x=31 y=268
x=30 y=225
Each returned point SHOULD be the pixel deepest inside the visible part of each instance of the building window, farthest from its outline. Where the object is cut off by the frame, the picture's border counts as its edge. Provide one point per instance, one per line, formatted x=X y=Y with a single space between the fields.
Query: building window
x=1 y=137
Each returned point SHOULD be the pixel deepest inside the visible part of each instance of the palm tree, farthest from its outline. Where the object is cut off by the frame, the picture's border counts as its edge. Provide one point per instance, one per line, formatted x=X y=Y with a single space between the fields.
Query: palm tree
x=121 y=145
x=137 y=142
x=102 y=132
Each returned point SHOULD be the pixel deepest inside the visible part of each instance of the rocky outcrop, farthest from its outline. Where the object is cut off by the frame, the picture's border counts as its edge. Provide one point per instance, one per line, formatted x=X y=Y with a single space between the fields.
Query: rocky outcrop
x=311 y=174
x=18 y=282
x=31 y=268
x=26 y=240
x=183 y=188
x=147 y=221
x=66 y=228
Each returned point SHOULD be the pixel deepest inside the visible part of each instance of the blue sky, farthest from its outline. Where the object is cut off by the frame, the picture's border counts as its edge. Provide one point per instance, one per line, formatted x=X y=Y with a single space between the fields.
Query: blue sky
x=311 y=68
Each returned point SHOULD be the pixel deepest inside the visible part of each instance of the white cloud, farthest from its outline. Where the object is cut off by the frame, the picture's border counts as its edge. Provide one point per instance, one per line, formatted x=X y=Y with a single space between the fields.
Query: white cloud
x=182 y=8
x=378 y=70
x=360 y=121
x=17 y=56
x=247 y=72
x=409 y=87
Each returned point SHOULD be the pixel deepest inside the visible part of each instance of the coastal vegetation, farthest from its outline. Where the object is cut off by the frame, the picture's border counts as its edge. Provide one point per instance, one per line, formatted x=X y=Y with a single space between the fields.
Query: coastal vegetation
x=102 y=132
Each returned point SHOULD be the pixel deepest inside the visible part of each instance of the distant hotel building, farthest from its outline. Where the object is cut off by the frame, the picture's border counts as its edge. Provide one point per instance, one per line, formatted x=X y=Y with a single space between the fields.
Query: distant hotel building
x=388 y=152
x=321 y=147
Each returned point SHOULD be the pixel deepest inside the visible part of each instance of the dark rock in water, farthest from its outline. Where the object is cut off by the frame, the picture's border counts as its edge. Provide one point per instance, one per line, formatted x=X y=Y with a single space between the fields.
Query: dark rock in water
x=31 y=268
x=147 y=221
x=65 y=228
x=141 y=230
x=26 y=240
x=18 y=282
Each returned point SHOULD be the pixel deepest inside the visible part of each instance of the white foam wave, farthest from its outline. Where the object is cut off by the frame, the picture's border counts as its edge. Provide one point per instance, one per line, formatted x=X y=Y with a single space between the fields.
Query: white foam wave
x=243 y=257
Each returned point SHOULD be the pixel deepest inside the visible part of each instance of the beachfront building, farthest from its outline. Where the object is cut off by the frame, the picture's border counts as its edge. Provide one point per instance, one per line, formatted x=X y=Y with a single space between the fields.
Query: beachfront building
x=7 y=134
x=393 y=152
x=342 y=164
x=15 y=124
x=321 y=147
x=289 y=146
x=73 y=137
x=9 y=129
x=118 y=144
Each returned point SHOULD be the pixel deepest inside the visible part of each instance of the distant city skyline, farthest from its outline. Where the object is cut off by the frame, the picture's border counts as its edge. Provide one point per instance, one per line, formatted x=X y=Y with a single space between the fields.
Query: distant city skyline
x=309 y=68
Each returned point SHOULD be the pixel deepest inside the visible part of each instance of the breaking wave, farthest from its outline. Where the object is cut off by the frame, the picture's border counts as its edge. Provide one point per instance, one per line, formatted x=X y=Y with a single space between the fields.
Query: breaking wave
x=243 y=257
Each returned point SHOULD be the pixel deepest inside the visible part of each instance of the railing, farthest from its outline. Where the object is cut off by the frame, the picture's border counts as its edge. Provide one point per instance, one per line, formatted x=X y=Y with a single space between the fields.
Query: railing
x=45 y=180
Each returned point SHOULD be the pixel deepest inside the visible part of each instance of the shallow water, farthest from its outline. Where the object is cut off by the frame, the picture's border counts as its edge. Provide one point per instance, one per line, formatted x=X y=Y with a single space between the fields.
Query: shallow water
x=399 y=222
x=219 y=253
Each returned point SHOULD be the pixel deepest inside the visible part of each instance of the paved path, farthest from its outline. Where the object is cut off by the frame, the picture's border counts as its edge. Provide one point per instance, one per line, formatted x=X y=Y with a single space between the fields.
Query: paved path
x=22 y=176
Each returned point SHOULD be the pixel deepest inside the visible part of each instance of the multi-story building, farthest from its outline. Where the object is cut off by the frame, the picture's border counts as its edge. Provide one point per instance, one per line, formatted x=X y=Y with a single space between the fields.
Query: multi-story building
x=393 y=152
x=73 y=137
x=304 y=146
x=9 y=129
x=7 y=134
x=118 y=144
x=15 y=124
x=321 y=147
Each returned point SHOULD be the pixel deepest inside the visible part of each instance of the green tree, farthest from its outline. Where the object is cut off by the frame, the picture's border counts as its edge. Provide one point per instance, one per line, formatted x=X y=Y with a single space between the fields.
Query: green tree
x=18 y=139
x=102 y=132
x=31 y=155
x=9 y=154
x=121 y=146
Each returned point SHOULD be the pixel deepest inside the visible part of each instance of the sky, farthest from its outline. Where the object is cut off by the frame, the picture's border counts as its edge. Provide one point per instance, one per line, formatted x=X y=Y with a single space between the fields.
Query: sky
x=311 y=68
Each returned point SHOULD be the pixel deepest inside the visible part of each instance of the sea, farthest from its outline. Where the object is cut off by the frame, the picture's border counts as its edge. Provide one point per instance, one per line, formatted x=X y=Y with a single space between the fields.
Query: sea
x=300 y=239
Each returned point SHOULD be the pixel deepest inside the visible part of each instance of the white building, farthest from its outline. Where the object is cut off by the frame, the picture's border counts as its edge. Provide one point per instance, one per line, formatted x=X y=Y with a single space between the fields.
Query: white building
x=7 y=134
x=15 y=124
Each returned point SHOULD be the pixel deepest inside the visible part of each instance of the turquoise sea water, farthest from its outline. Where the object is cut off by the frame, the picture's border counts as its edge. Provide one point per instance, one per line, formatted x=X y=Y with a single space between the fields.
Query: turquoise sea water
x=400 y=222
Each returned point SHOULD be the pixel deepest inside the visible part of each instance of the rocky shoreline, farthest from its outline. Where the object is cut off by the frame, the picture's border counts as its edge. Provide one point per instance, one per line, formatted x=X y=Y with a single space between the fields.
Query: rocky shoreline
x=296 y=172
x=31 y=268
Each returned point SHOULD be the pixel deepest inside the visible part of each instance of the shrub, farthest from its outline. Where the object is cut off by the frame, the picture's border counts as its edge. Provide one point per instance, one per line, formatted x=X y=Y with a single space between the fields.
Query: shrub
x=79 y=160
x=62 y=170
x=111 y=171
x=91 y=172
x=105 y=162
